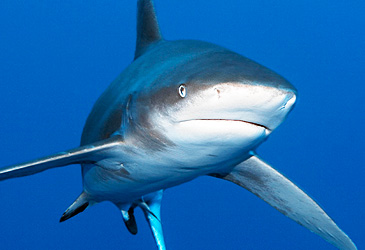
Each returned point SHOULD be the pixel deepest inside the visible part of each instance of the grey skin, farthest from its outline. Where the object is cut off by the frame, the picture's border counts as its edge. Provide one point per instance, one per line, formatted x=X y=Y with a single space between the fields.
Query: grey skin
x=181 y=110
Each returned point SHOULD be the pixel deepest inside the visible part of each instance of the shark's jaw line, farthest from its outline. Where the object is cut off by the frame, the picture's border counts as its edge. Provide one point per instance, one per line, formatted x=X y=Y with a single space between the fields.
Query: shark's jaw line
x=231 y=120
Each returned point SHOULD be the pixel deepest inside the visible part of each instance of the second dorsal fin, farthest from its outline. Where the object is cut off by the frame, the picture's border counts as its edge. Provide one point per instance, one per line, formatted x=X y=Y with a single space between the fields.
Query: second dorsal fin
x=148 y=30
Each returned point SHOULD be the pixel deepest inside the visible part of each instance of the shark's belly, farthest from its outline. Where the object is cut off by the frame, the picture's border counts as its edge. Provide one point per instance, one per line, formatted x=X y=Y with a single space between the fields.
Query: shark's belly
x=123 y=186
x=134 y=180
x=124 y=178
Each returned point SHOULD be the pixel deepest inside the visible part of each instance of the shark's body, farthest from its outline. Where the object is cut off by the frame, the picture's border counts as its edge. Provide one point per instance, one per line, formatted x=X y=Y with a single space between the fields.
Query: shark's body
x=181 y=110
x=164 y=133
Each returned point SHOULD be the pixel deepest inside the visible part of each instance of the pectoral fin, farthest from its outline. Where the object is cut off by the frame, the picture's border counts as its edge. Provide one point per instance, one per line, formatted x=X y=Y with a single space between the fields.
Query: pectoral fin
x=86 y=154
x=261 y=179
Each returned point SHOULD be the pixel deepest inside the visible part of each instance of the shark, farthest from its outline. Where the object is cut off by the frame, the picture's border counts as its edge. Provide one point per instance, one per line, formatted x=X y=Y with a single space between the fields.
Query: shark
x=183 y=109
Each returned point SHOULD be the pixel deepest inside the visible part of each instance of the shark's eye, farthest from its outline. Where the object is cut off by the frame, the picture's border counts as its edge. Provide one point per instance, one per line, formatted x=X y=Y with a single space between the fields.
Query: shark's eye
x=182 y=90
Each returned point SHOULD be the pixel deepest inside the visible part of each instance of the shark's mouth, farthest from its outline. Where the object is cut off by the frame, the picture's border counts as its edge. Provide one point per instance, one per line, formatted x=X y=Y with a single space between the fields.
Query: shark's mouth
x=231 y=120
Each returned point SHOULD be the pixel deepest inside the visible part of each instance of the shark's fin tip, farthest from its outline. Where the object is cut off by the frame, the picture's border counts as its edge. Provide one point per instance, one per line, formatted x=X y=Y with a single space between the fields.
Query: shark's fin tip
x=77 y=207
x=130 y=220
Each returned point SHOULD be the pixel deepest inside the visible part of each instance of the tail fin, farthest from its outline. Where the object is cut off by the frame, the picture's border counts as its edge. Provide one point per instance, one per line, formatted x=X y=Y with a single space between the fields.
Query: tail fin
x=150 y=205
x=86 y=154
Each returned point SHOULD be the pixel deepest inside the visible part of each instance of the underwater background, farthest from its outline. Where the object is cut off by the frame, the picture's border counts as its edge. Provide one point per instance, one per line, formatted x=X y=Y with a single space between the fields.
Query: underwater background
x=57 y=57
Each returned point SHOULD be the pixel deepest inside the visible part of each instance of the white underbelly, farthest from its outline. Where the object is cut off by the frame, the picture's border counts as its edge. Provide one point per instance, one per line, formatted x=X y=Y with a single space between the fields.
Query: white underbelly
x=144 y=171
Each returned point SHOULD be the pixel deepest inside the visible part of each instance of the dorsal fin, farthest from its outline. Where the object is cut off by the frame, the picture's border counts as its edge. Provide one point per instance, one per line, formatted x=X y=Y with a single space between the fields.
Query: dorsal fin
x=148 y=30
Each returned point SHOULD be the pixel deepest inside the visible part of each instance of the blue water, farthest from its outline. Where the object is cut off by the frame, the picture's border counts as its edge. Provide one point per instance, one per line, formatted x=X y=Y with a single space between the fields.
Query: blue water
x=56 y=58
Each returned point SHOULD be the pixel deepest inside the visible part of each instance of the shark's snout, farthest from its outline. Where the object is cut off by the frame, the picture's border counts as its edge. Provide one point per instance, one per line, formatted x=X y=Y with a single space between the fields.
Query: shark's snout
x=260 y=104
x=278 y=107
x=289 y=101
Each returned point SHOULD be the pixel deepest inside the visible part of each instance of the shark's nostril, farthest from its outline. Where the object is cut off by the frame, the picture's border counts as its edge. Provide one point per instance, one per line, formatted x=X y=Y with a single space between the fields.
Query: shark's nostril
x=289 y=101
x=217 y=90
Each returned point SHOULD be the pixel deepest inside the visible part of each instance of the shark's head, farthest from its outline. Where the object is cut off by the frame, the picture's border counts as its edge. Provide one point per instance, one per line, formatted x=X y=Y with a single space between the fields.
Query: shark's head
x=218 y=101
